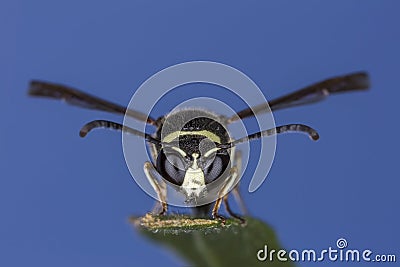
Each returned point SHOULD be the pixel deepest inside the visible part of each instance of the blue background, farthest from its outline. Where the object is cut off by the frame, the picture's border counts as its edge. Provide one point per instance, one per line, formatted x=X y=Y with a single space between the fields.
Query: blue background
x=64 y=201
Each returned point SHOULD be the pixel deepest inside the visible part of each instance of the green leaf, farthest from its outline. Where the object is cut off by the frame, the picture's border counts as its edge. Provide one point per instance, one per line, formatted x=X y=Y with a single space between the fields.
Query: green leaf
x=203 y=242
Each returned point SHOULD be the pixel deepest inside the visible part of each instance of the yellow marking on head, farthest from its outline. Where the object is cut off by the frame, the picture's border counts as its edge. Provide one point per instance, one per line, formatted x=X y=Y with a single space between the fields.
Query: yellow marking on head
x=180 y=151
x=212 y=150
x=195 y=156
x=212 y=136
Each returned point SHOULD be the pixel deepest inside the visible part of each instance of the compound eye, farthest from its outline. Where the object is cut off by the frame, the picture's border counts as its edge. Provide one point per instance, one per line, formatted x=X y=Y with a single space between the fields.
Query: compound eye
x=172 y=167
x=216 y=167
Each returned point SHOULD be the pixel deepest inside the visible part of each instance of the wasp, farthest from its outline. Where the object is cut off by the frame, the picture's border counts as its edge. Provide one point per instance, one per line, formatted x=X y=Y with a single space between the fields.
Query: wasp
x=180 y=156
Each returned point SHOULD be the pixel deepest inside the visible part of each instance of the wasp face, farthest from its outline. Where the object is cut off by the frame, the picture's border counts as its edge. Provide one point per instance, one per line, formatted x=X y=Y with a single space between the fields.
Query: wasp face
x=193 y=164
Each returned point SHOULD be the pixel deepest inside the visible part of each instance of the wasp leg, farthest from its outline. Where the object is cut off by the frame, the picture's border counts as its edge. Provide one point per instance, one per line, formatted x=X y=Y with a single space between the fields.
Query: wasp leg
x=238 y=198
x=215 y=214
x=223 y=192
x=230 y=182
x=231 y=213
x=148 y=169
x=235 y=191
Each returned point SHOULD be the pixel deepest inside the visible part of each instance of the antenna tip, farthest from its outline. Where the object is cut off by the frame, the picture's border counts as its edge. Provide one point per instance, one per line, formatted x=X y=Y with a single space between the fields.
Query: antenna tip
x=82 y=133
x=314 y=136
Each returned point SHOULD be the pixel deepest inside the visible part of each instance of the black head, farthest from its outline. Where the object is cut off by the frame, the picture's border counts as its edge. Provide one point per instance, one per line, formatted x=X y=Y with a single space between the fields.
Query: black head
x=190 y=157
